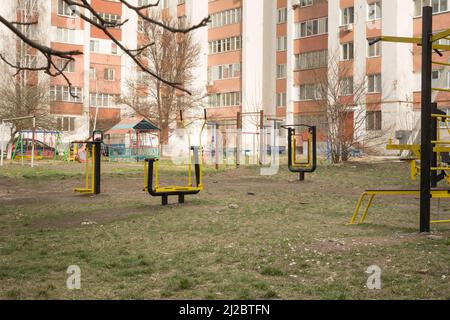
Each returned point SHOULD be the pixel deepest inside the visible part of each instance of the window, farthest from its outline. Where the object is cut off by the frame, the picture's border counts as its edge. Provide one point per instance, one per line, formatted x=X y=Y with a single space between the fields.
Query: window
x=62 y=93
x=225 y=71
x=65 y=65
x=305 y=3
x=95 y=46
x=308 y=92
x=92 y=74
x=281 y=15
x=281 y=99
x=347 y=86
x=102 y=99
x=374 y=11
x=113 y=48
x=440 y=79
x=311 y=28
x=281 y=71
x=65 y=124
x=311 y=60
x=224 y=18
x=347 y=16
x=182 y=21
x=374 y=83
x=281 y=43
x=109 y=74
x=65 y=35
x=227 y=99
x=65 y=10
x=373 y=50
x=437 y=5
x=347 y=51
x=373 y=120
x=110 y=19
x=225 y=45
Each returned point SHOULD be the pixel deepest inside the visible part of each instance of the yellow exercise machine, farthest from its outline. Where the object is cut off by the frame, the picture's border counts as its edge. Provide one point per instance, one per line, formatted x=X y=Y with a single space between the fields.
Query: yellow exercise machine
x=309 y=164
x=433 y=151
x=441 y=150
x=151 y=174
x=92 y=157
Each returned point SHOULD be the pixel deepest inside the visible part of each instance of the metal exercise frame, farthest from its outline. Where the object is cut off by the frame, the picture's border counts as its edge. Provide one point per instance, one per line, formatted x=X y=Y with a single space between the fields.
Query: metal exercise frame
x=298 y=166
x=429 y=129
x=92 y=174
x=151 y=174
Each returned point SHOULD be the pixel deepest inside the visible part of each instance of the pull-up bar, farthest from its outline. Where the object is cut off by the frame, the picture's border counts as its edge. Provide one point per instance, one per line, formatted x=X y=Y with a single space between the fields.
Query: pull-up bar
x=33 y=144
x=428 y=42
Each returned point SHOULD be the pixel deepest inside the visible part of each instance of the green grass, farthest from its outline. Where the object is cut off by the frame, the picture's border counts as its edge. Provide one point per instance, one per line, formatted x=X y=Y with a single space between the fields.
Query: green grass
x=288 y=240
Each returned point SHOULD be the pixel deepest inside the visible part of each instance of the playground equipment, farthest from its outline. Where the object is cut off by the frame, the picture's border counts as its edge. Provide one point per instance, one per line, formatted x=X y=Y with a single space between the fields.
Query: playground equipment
x=433 y=152
x=12 y=120
x=308 y=163
x=151 y=174
x=133 y=139
x=250 y=120
x=92 y=157
x=46 y=143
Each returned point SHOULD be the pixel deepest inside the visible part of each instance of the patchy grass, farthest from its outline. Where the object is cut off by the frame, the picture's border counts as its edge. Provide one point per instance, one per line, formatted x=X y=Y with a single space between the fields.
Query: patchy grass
x=281 y=239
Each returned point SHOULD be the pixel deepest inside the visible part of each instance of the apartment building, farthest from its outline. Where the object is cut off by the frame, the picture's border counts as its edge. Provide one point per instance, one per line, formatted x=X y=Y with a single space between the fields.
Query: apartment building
x=259 y=56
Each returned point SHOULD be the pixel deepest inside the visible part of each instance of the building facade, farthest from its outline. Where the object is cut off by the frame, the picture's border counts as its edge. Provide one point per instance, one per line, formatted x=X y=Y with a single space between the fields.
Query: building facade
x=259 y=56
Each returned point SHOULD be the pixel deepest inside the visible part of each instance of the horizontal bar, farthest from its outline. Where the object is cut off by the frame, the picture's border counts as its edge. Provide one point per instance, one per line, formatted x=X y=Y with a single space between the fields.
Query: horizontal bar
x=18 y=118
x=441 y=63
x=440 y=35
x=435 y=115
x=417 y=41
x=440 y=221
x=441 y=89
x=401 y=39
x=444 y=47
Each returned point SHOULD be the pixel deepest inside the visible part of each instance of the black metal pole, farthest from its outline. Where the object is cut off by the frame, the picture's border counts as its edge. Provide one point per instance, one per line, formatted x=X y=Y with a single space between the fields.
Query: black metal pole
x=97 y=164
x=426 y=150
x=434 y=162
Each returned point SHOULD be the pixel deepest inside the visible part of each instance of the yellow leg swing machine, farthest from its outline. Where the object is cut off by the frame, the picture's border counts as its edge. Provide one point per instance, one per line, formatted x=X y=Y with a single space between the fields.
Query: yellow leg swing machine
x=151 y=174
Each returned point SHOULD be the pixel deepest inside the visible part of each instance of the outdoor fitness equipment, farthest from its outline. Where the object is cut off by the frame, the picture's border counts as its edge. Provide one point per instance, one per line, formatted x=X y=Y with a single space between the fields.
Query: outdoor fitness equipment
x=310 y=145
x=432 y=149
x=151 y=174
x=92 y=158
x=440 y=155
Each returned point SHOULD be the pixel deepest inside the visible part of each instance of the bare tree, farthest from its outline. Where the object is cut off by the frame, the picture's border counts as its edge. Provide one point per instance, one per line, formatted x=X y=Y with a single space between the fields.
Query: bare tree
x=25 y=98
x=341 y=96
x=25 y=93
x=174 y=59
x=86 y=12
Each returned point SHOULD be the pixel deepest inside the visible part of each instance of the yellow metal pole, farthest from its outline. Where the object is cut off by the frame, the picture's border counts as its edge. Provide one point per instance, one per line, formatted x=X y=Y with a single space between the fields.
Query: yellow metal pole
x=358 y=205
x=367 y=209
x=145 y=176
x=156 y=175
x=93 y=168
x=87 y=167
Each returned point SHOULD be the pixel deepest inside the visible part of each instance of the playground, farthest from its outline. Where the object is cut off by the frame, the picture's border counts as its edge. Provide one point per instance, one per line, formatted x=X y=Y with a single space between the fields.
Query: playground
x=245 y=236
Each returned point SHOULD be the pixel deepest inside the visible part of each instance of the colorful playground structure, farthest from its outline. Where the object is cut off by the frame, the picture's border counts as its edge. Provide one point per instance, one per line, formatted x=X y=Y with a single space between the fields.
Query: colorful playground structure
x=133 y=139
x=47 y=145
x=430 y=160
